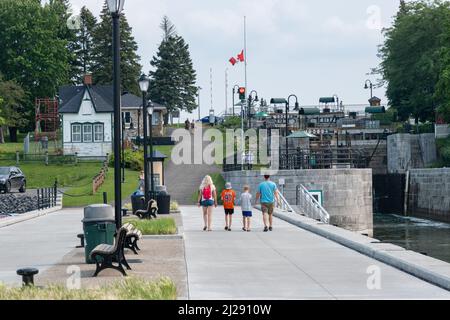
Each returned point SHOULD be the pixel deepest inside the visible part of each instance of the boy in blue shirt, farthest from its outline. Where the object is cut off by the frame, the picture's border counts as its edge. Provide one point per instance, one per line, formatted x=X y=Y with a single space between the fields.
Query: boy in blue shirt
x=267 y=193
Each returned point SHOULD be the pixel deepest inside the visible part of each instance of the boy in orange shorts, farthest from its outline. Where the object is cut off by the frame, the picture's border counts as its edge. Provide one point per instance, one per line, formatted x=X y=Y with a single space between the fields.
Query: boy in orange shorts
x=228 y=197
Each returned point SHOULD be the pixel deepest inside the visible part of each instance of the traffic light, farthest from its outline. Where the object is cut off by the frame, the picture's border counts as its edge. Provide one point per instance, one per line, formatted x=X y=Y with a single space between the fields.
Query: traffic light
x=241 y=92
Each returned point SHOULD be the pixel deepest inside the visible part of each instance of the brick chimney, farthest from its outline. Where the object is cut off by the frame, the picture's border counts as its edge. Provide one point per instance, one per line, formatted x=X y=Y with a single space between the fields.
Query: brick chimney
x=88 y=79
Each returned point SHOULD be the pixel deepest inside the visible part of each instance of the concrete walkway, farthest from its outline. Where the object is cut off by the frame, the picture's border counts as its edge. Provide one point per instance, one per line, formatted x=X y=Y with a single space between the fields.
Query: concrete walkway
x=39 y=243
x=288 y=263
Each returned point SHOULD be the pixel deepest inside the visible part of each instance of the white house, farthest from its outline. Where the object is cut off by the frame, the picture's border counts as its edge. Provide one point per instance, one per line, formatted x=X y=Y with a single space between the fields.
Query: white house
x=87 y=119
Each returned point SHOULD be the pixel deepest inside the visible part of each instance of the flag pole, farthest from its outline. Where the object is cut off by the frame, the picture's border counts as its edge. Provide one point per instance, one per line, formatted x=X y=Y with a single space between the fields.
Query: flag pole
x=246 y=88
x=245 y=49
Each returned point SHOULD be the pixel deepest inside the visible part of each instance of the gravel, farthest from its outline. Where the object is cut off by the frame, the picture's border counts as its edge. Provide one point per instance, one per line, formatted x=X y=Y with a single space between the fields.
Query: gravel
x=19 y=204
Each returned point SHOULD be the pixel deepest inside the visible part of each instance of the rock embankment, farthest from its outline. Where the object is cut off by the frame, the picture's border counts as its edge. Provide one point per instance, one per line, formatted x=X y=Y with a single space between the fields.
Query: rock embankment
x=11 y=203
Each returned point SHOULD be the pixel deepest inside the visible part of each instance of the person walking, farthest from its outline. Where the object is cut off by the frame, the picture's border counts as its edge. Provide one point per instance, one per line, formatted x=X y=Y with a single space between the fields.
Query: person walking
x=187 y=125
x=228 y=197
x=207 y=199
x=267 y=193
x=246 y=206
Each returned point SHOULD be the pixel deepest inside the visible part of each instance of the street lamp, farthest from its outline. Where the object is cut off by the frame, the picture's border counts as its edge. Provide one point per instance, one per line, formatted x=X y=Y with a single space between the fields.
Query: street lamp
x=123 y=147
x=234 y=93
x=369 y=86
x=115 y=8
x=144 y=83
x=249 y=108
x=152 y=182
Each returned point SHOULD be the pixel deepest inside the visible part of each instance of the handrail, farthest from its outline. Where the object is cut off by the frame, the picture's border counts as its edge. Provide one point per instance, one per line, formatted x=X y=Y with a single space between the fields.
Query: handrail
x=283 y=204
x=310 y=206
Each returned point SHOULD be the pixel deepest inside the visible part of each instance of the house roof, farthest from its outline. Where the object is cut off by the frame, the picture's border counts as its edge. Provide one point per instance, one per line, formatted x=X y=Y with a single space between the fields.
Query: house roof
x=131 y=101
x=72 y=96
x=375 y=98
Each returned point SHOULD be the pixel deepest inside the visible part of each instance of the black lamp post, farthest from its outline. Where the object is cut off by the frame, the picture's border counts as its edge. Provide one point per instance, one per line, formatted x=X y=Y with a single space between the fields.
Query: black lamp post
x=123 y=147
x=115 y=8
x=234 y=93
x=139 y=125
x=369 y=86
x=250 y=100
x=152 y=182
x=144 y=83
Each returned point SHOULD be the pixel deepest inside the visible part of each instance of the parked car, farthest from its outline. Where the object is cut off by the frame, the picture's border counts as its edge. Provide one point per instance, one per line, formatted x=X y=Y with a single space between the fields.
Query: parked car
x=12 y=178
x=205 y=120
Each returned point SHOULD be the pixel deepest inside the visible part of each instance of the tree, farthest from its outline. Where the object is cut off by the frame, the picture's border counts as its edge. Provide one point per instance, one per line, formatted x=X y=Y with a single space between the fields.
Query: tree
x=32 y=53
x=102 y=69
x=173 y=78
x=12 y=111
x=411 y=58
x=83 y=45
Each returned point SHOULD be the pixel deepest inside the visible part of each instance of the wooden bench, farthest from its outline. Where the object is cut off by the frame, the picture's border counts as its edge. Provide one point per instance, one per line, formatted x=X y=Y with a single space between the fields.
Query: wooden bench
x=106 y=255
x=133 y=235
x=150 y=212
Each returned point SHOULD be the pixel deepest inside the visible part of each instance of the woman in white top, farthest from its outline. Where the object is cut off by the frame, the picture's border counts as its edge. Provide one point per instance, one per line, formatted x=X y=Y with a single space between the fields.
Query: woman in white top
x=207 y=199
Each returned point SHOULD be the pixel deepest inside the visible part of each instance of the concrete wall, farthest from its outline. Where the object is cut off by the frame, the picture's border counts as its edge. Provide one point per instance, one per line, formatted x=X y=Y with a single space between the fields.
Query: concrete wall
x=406 y=151
x=429 y=194
x=347 y=193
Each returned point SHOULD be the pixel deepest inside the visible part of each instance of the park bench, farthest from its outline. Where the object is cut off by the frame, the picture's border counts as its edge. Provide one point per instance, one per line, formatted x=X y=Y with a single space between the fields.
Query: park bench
x=133 y=235
x=106 y=255
x=150 y=212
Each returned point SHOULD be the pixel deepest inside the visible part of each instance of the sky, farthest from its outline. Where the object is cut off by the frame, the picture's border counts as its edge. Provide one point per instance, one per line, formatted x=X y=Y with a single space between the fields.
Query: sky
x=311 y=48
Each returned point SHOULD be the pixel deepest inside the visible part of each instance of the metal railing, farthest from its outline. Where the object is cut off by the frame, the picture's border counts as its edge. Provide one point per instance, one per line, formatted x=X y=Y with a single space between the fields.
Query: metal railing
x=47 y=197
x=283 y=204
x=310 y=207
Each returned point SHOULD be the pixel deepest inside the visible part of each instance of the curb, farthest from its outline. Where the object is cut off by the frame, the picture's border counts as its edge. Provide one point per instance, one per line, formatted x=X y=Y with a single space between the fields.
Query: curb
x=432 y=270
x=28 y=216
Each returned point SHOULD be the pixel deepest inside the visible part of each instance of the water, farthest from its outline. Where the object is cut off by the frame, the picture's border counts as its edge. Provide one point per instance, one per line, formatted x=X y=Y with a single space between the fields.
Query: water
x=420 y=235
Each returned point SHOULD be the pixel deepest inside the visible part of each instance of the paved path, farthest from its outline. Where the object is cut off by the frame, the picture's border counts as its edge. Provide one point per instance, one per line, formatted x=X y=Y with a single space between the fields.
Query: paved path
x=39 y=242
x=288 y=263
x=183 y=180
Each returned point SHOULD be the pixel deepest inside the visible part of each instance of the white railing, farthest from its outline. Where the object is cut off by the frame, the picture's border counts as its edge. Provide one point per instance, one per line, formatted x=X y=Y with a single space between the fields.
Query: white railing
x=310 y=207
x=283 y=204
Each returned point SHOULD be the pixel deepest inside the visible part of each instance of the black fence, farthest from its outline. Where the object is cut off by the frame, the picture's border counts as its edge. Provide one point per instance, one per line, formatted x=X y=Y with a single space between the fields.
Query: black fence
x=47 y=197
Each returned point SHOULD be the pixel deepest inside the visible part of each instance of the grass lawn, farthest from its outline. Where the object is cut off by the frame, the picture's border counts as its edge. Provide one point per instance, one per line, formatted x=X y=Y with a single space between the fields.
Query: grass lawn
x=161 y=226
x=130 y=288
x=77 y=180
x=11 y=147
x=82 y=196
x=219 y=182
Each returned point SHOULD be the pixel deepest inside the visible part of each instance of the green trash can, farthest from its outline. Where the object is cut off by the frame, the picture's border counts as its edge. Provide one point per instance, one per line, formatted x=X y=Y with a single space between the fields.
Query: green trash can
x=99 y=227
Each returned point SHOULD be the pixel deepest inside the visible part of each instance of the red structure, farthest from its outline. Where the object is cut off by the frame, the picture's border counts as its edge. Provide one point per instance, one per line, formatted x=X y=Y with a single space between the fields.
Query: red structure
x=47 y=119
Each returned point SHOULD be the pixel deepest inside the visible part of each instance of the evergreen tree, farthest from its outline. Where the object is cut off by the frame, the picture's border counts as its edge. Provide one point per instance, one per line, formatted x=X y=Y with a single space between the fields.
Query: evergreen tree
x=173 y=78
x=83 y=46
x=102 y=68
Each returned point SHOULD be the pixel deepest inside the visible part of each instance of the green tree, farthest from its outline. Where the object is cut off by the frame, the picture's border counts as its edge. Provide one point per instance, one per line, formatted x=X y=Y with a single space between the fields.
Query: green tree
x=83 y=46
x=173 y=76
x=102 y=68
x=32 y=53
x=411 y=58
x=12 y=111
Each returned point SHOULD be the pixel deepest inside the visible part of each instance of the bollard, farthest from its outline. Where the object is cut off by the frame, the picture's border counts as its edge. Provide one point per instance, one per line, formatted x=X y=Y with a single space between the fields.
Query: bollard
x=46 y=158
x=27 y=276
x=105 y=198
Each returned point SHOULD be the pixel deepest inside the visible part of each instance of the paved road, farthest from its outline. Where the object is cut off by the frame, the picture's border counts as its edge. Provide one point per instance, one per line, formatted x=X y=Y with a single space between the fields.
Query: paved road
x=39 y=242
x=183 y=180
x=288 y=263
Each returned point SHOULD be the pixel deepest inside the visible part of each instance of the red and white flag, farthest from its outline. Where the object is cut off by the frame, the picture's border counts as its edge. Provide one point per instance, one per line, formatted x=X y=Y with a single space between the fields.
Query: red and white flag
x=240 y=58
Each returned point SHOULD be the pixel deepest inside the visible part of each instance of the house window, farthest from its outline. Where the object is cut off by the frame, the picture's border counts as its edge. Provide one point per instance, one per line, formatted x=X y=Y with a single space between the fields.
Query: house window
x=76 y=133
x=87 y=132
x=127 y=118
x=98 y=132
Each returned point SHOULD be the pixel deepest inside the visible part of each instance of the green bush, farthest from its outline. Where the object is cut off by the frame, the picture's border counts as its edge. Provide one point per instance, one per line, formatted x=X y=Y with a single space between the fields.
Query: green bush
x=134 y=160
x=443 y=146
x=231 y=123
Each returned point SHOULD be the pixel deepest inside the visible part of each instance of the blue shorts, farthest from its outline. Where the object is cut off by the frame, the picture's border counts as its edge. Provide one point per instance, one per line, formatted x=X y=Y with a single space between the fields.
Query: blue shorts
x=207 y=203
x=247 y=214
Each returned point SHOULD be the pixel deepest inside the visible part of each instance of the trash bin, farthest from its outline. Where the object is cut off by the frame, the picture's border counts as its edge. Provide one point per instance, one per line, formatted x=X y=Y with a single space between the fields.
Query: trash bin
x=163 y=200
x=137 y=202
x=99 y=227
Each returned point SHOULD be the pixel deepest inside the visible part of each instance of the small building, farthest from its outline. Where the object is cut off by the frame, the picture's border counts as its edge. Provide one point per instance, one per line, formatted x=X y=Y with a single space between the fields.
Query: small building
x=132 y=114
x=86 y=113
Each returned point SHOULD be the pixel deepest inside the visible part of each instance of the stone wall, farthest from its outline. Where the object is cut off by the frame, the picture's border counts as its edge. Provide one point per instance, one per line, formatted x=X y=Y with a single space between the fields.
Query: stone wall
x=406 y=151
x=429 y=194
x=347 y=193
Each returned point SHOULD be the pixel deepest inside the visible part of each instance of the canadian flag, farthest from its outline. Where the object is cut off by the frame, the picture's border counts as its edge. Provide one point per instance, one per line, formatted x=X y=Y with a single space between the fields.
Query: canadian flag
x=240 y=58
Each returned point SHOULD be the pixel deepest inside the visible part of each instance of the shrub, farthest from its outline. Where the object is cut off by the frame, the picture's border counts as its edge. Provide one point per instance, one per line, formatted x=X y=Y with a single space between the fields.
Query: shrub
x=134 y=160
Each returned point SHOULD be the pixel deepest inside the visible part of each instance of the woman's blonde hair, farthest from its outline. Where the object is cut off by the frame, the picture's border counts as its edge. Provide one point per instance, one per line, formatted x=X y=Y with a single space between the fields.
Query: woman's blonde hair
x=207 y=181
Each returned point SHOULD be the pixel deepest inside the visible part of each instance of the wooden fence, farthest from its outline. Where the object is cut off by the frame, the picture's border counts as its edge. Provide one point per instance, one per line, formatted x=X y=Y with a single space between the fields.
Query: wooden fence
x=99 y=179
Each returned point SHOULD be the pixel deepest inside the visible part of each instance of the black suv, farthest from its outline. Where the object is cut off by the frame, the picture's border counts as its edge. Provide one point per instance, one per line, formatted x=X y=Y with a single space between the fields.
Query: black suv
x=12 y=177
